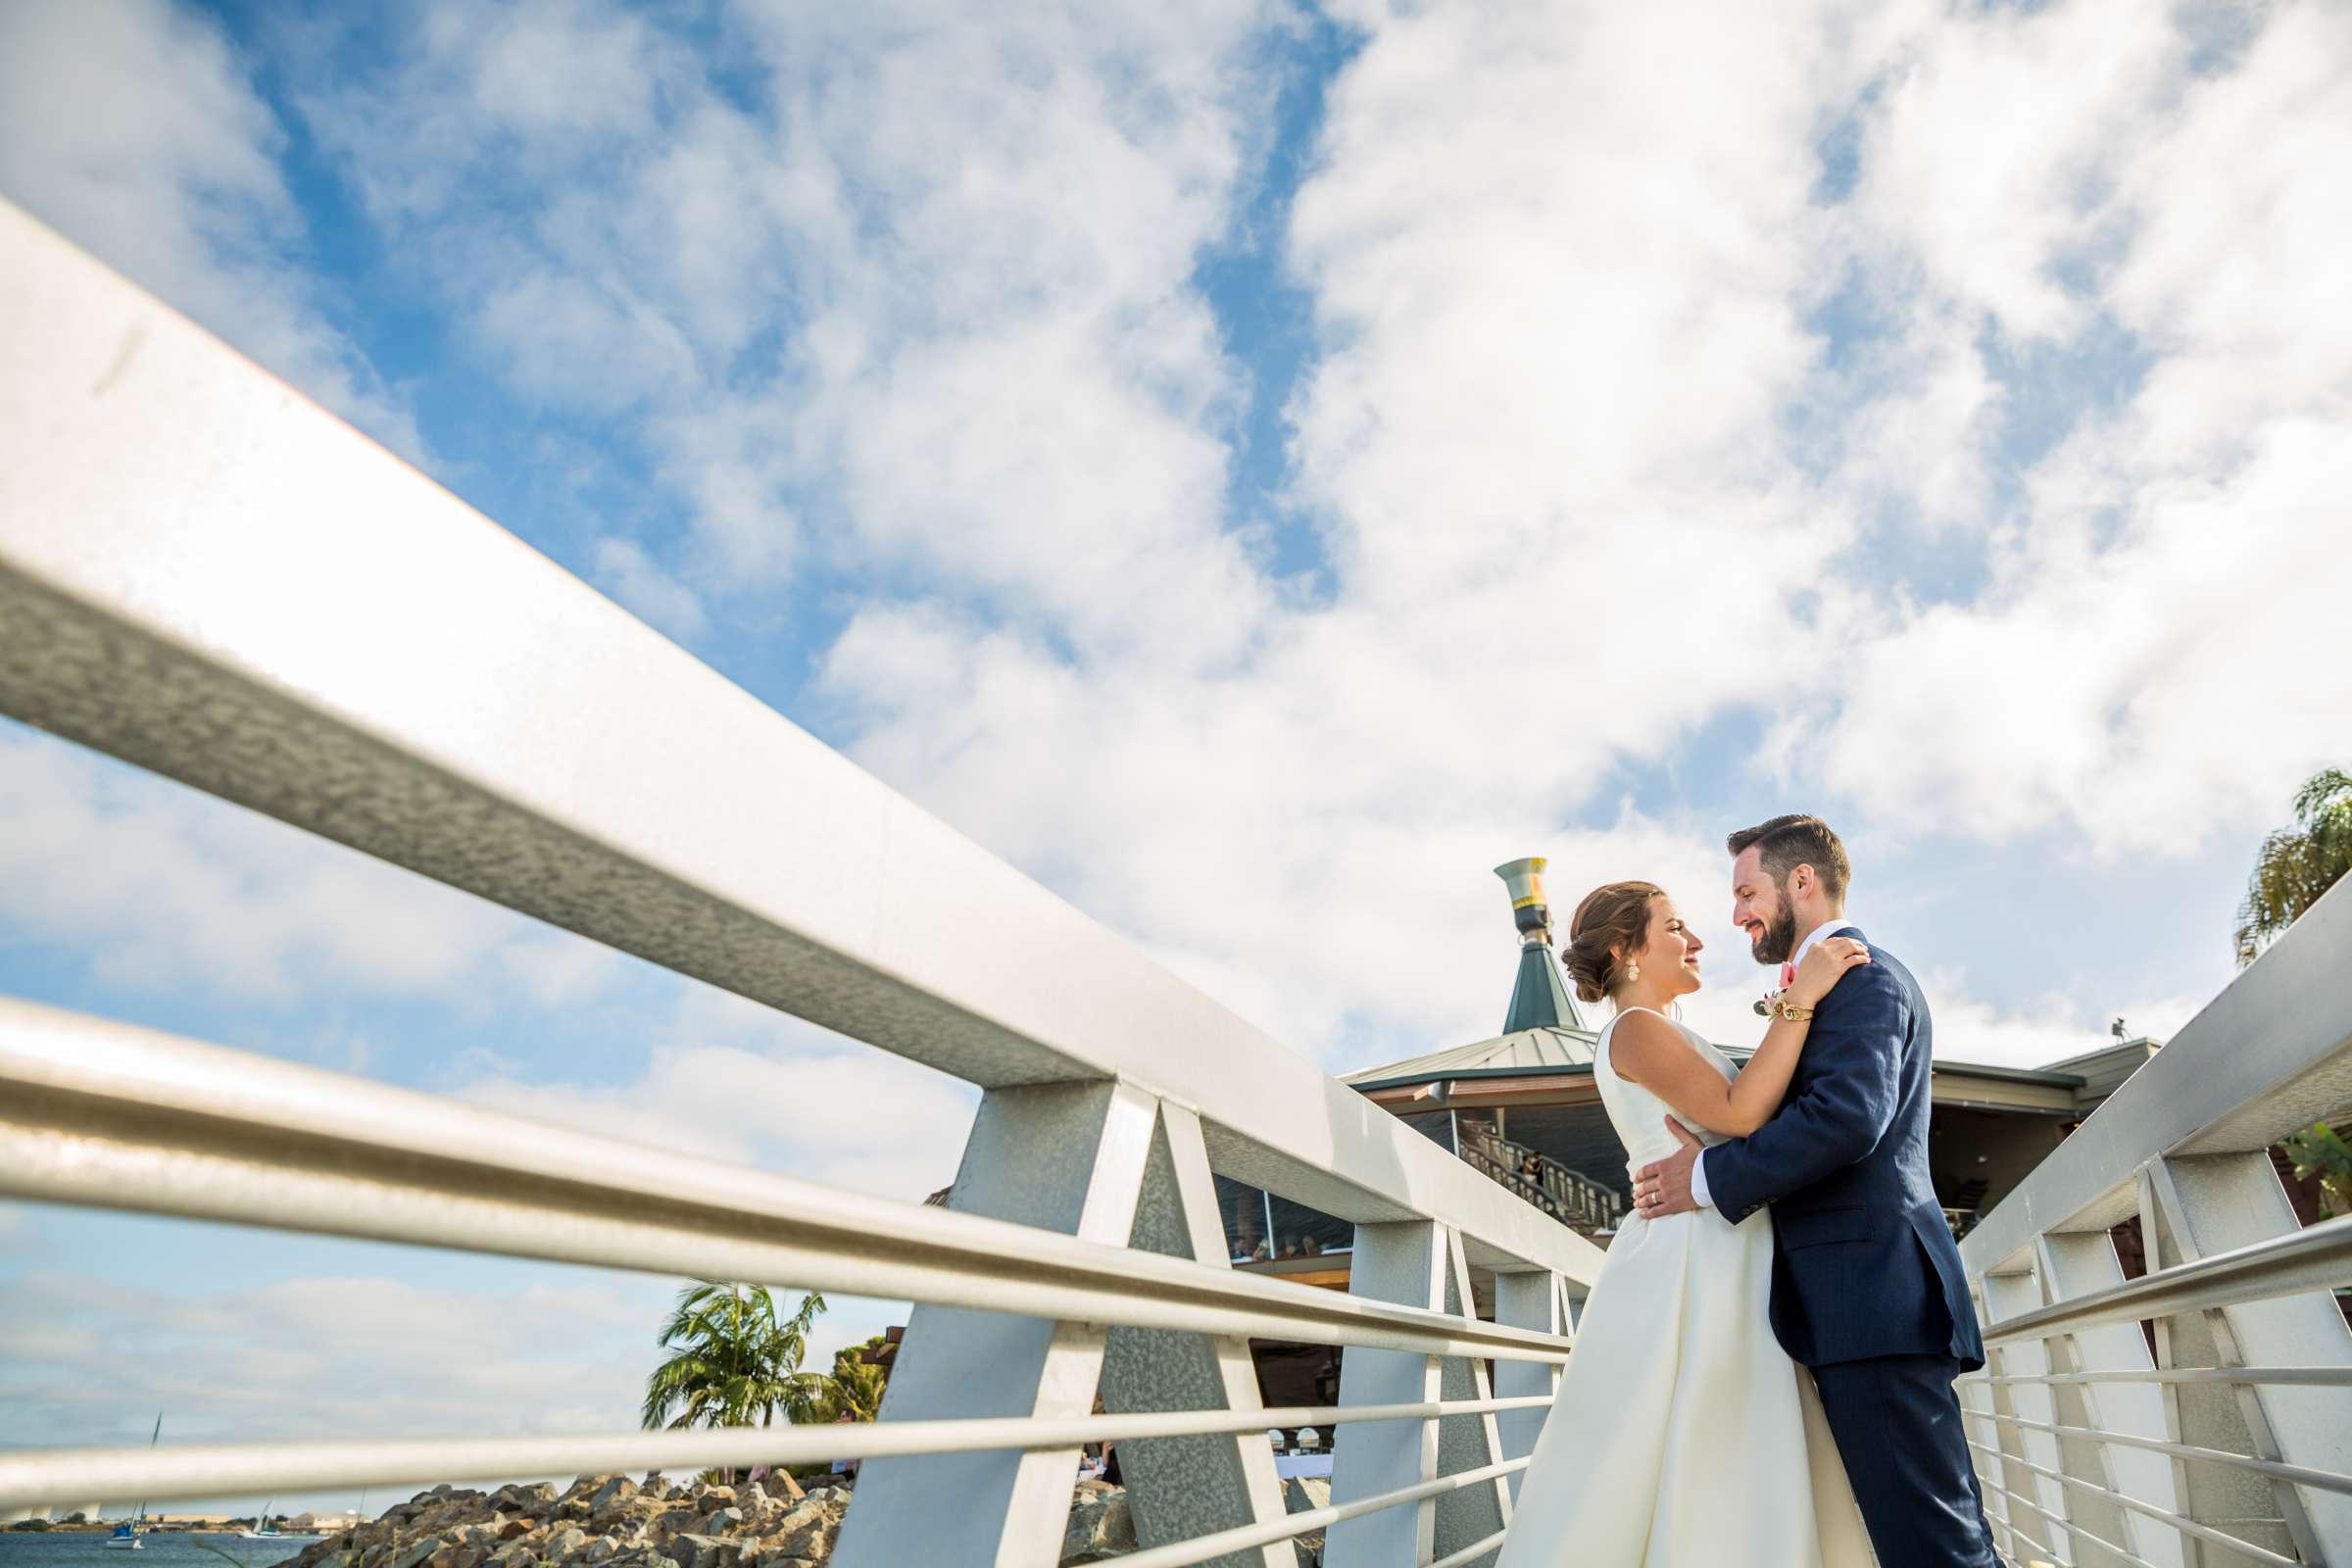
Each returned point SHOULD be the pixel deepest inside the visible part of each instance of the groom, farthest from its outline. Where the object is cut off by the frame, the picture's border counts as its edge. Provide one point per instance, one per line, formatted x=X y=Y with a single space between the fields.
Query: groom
x=1867 y=1288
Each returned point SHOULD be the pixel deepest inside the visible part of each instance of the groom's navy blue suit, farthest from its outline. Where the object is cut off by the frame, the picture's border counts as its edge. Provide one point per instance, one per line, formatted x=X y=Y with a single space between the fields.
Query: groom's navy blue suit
x=1867 y=1288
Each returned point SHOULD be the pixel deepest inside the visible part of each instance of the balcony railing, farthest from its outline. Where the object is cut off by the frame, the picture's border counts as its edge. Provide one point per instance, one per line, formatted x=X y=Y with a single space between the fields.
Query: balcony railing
x=203 y=574
x=2201 y=1413
x=1567 y=1195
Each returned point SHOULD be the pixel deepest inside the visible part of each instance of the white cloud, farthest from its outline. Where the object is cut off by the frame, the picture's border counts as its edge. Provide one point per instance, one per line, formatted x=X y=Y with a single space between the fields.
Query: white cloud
x=328 y=1355
x=133 y=129
x=2040 y=1031
x=525 y=1350
x=1983 y=165
x=163 y=888
x=2156 y=656
x=623 y=570
x=734 y=1081
x=944 y=279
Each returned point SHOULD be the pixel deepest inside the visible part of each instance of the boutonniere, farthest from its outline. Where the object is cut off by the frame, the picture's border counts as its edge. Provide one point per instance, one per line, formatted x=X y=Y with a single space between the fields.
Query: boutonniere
x=1776 y=1005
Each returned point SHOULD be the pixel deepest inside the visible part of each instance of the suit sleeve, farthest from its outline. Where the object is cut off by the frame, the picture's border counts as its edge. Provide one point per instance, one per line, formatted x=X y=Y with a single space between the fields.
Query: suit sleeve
x=1840 y=1114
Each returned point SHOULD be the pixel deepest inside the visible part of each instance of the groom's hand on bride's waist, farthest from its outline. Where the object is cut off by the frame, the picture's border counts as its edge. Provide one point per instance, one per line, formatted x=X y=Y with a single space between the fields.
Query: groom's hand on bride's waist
x=1663 y=1187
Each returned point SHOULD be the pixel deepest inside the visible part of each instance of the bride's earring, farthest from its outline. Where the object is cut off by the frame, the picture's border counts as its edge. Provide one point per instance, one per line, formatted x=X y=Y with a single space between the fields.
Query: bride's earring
x=1633 y=973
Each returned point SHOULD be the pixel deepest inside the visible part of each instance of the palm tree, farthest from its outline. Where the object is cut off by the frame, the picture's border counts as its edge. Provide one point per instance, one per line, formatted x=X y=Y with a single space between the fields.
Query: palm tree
x=2298 y=863
x=733 y=1359
x=855 y=1387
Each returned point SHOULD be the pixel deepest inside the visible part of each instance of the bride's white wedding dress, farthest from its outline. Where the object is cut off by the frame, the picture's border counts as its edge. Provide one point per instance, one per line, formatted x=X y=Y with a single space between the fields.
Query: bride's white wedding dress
x=1684 y=1436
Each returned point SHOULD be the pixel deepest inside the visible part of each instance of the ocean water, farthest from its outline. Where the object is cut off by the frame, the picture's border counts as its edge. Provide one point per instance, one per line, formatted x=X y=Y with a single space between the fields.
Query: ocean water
x=80 y=1549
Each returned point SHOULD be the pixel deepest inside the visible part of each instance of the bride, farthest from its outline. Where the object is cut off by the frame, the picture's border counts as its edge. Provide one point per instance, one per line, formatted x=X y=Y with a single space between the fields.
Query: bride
x=1684 y=1436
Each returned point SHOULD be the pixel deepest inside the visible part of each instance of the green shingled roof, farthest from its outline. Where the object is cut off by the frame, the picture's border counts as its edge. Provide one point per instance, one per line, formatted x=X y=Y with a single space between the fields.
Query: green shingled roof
x=1539 y=997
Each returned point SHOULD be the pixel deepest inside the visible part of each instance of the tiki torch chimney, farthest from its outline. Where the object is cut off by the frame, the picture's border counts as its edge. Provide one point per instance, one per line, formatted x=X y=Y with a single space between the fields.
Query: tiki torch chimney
x=1531 y=912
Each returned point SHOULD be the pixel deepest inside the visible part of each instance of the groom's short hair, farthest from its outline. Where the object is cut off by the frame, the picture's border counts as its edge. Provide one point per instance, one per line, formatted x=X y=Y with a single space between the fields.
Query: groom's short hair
x=1787 y=842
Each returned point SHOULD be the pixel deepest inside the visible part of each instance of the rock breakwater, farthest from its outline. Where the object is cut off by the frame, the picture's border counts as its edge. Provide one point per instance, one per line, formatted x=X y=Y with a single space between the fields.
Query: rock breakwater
x=615 y=1522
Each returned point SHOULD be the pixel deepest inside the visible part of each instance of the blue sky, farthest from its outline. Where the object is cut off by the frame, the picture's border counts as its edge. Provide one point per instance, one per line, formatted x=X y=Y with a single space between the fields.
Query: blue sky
x=1255 y=467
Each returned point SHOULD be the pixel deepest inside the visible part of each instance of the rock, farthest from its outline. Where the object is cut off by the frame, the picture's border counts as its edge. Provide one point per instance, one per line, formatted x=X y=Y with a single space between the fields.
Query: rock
x=1301 y=1493
x=720 y=1522
x=1099 y=1526
x=565 y=1544
x=808 y=1530
x=415 y=1555
x=709 y=1497
x=513 y=1529
x=601 y=1549
x=784 y=1488
x=616 y=1489
x=708 y=1552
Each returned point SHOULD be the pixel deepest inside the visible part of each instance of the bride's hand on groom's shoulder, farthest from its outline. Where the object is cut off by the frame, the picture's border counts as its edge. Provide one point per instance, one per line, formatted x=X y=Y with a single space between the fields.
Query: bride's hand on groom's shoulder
x=1824 y=968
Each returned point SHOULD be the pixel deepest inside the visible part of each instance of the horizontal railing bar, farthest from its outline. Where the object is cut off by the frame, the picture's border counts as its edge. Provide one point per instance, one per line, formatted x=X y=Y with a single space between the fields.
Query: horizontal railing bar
x=2316 y=1258
x=107 y=1116
x=2324 y=1377
x=1182 y=1553
x=2125 y=1500
x=1472 y=1552
x=2278 y=1470
x=2132 y=1560
x=2048 y=1557
x=30 y=1477
x=417 y=683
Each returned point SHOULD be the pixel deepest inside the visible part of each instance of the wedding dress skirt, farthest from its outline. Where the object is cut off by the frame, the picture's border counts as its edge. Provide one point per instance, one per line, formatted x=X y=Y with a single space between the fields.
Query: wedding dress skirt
x=1684 y=1436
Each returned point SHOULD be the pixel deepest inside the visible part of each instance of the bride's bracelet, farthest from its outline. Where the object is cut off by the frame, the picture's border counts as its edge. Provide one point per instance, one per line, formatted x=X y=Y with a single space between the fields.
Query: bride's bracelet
x=1782 y=1009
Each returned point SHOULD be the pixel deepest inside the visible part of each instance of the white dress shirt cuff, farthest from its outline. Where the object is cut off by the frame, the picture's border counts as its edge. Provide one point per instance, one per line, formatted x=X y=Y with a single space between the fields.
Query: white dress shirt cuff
x=1699 y=1181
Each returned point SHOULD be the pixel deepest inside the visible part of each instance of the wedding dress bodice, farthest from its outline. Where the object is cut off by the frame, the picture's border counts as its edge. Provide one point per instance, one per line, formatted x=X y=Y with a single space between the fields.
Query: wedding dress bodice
x=1638 y=1116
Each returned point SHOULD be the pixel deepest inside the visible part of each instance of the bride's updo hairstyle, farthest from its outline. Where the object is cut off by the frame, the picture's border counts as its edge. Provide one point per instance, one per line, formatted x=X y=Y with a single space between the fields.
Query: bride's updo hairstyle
x=1615 y=914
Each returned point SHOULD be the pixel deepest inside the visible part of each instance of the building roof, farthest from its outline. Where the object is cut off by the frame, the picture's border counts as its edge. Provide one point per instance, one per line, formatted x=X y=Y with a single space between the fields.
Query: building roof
x=1569 y=1051
x=1548 y=1049
x=2143 y=1047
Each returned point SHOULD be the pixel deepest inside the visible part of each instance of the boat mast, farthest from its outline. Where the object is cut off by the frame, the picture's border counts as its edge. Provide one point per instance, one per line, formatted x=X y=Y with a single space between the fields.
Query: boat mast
x=151 y=1441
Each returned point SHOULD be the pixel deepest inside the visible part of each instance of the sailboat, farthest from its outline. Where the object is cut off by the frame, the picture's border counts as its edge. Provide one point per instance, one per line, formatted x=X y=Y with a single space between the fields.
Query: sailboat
x=264 y=1529
x=126 y=1538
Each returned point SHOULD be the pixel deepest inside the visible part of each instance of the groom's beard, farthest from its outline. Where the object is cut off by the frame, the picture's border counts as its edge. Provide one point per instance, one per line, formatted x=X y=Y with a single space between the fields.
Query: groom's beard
x=1778 y=944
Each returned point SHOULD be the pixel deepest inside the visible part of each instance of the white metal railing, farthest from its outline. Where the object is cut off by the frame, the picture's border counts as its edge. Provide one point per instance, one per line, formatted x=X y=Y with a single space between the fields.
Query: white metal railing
x=204 y=575
x=2198 y=1414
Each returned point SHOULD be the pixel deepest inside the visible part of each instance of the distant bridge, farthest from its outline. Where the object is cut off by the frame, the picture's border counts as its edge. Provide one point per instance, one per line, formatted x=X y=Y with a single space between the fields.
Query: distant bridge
x=204 y=574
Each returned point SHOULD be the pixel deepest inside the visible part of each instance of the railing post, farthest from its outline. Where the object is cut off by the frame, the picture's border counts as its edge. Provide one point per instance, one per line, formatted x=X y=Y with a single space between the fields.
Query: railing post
x=2208 y=1204
x=1525 y=1301
x=2186 y=1408
x=2074 y=1266
x=1977 y=1406
x=1180 y=1487
x=2008 y=1295
x=1466 y=1441
x=1402 y=1261
x=1068 y=1157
